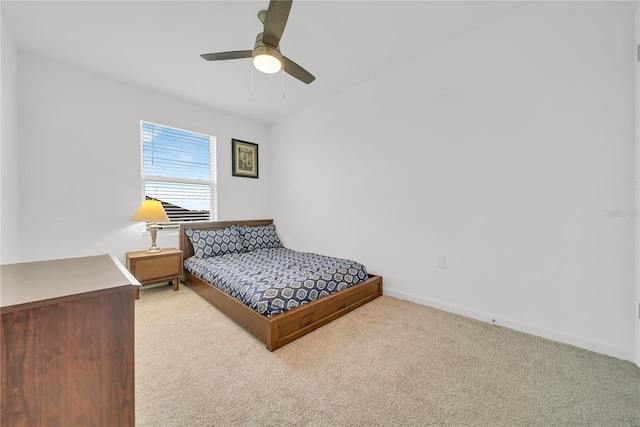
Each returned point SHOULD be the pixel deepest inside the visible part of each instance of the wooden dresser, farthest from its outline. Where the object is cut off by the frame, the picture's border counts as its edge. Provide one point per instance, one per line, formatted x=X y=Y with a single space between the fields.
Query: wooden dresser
x=67 y=349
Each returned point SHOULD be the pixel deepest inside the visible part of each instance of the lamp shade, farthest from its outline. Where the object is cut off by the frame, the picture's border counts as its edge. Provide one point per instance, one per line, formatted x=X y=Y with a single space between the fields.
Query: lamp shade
x=150 y=211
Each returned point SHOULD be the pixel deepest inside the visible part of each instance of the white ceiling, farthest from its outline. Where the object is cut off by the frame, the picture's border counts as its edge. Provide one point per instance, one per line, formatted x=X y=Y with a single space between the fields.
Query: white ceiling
x=157 y=44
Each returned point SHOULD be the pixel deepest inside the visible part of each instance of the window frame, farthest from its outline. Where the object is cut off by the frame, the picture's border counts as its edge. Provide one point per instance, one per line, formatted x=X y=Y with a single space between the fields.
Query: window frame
x=212 y=182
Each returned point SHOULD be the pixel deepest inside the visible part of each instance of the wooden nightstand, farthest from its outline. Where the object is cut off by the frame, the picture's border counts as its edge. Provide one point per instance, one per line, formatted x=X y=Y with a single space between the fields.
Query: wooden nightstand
x=165 y=266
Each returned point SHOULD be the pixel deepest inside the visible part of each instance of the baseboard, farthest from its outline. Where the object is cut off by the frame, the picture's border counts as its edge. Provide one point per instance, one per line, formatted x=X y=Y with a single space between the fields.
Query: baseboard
x=554 y=335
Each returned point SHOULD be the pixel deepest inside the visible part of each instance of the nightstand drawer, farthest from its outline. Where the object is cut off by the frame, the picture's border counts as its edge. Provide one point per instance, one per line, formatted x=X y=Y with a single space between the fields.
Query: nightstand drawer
x=155 y=267
x=159 y=267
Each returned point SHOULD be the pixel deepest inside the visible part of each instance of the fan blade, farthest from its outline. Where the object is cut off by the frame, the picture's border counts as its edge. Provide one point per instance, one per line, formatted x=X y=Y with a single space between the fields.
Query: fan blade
x=297 y=71
x=262 y=15
x=235 y=54
x=276 y=19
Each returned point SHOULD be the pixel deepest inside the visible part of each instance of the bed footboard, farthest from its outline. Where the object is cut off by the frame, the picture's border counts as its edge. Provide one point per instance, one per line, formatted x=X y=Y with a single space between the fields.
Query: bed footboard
x=290 y=325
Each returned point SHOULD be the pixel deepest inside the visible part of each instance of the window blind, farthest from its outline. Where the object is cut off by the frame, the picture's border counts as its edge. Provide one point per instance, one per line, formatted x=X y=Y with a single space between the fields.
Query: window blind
x=178 y=169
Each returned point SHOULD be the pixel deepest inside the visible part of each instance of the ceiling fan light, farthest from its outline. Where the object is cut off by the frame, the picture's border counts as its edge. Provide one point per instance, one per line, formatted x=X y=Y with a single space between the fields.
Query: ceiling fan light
x=267 y=59
x=267 y=63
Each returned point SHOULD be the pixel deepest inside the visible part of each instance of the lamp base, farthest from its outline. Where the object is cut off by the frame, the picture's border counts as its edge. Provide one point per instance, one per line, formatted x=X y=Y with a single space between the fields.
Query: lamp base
x=153 y=230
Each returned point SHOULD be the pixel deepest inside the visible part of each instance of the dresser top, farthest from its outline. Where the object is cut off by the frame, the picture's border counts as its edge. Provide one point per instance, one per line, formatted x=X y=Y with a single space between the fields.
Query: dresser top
x=30 y=282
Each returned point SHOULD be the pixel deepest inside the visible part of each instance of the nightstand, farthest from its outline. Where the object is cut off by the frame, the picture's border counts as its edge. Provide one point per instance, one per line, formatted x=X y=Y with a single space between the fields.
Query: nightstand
x=165 y=266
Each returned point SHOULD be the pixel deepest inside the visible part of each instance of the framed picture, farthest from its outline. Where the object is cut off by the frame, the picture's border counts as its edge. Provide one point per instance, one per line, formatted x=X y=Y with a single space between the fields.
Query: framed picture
x=245 y=158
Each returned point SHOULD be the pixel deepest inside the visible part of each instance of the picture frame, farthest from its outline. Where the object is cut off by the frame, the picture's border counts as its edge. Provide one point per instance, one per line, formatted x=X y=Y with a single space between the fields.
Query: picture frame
x=244 y=157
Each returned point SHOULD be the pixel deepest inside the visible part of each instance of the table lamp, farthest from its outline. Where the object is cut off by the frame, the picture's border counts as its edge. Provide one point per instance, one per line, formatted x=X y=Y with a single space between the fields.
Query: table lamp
x=152 y=212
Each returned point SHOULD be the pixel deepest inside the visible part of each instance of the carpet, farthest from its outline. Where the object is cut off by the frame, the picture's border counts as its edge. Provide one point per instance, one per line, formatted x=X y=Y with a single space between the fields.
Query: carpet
x=388 y=363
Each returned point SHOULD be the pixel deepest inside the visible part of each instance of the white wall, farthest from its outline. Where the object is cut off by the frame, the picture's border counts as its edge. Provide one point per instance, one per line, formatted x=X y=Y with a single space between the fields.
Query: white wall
x=638 y=186
x=80 y=176
x=9 y=153
x=510 y=151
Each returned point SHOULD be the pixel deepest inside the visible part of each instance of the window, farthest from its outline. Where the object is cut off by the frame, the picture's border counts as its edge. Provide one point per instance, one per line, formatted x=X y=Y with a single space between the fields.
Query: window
x=178 y=169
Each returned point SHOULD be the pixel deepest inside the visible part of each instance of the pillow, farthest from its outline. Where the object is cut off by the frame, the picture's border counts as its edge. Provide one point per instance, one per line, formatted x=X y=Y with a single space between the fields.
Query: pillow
x=209 y=243
x=259 y=237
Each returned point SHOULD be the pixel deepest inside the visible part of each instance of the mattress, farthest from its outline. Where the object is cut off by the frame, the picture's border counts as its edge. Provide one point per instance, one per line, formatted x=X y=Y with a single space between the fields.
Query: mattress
x=274 y=280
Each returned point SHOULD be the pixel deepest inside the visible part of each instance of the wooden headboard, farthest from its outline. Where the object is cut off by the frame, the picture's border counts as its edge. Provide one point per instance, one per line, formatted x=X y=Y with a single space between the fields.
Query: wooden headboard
x=185 y=243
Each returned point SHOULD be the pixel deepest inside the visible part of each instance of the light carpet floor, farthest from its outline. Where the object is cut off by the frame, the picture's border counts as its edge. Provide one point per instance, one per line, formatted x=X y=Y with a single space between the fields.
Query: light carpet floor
x=388 y=363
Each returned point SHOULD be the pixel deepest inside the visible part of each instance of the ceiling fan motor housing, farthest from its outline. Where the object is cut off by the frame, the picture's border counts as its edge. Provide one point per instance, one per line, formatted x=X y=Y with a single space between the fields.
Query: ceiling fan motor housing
x=266 y=53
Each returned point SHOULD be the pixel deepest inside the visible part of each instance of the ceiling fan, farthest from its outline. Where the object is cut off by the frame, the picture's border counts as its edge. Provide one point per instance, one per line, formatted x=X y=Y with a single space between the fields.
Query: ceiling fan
x=266 y=54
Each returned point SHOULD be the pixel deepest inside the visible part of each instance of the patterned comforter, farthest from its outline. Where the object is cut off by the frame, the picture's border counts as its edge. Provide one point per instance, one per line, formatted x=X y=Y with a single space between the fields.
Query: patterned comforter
x=277 y=279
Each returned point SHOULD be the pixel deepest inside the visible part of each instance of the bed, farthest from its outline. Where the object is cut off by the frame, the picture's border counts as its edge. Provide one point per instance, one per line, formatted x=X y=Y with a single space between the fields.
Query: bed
x=275 y=330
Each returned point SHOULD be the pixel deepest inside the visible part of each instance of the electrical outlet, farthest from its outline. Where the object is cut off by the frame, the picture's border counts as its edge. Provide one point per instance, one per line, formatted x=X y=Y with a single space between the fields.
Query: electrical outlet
x=440 y=261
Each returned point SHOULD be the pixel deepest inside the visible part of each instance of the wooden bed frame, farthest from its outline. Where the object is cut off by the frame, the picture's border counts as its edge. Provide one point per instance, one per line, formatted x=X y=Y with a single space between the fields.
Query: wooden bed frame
x=287 y=326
